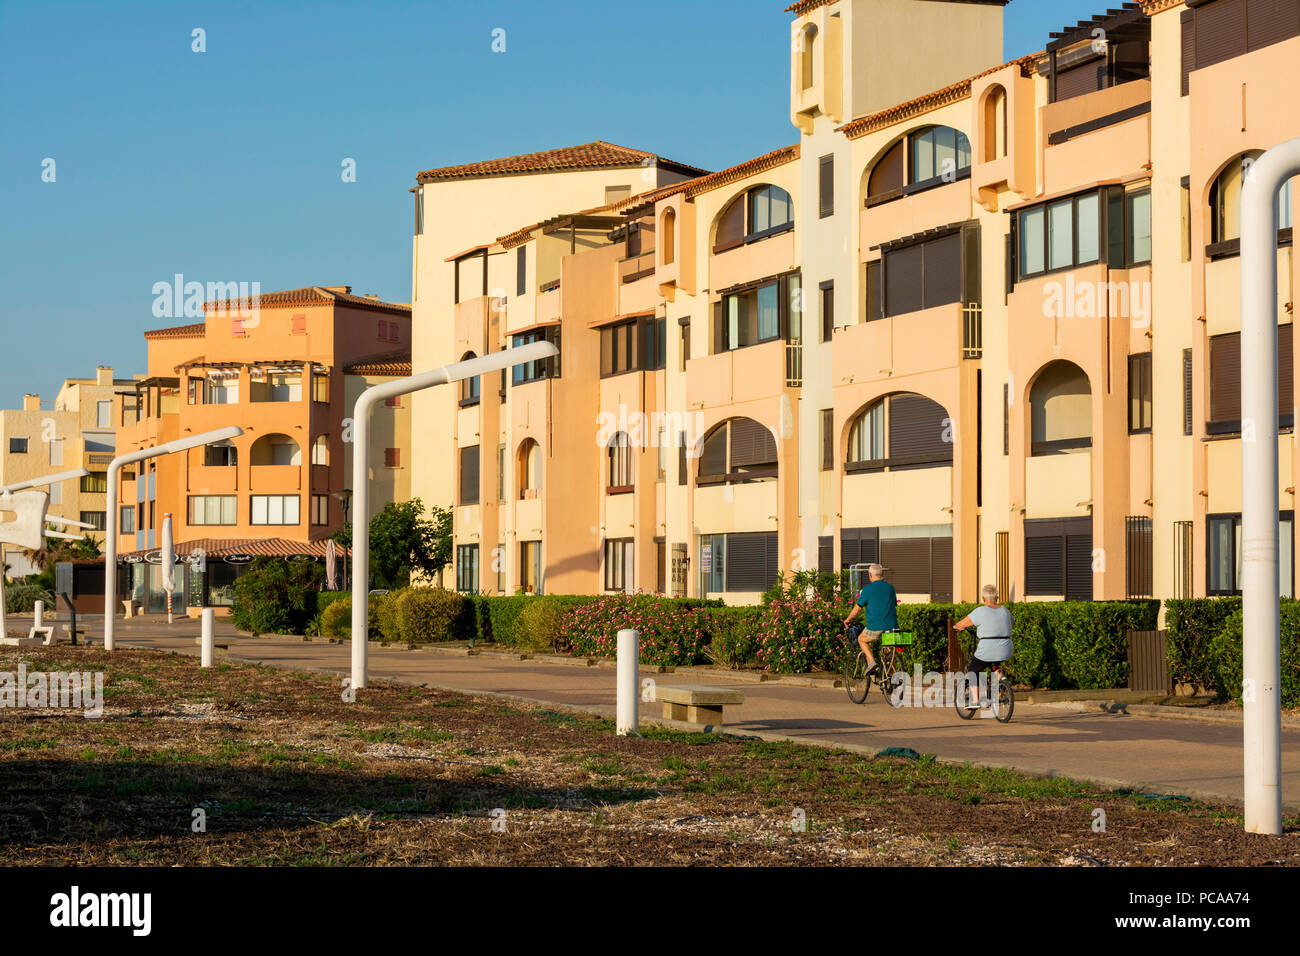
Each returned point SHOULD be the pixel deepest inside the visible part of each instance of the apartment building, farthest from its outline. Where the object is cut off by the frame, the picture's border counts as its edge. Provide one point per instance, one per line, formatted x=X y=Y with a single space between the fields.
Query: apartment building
x=287 y=369
x=77 y=432
x=978 y=324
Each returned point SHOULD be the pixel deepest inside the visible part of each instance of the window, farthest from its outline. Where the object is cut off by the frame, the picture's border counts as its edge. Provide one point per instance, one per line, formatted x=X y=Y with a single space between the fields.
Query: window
x=761 y=212
x=1223 y=29
x=917 y=559
x=530 y=567
x=220 y=455
x=685 y=326
x=56 y=451
x=96 y=519
x=1225 y=204
x=618 y=565
x=1137 y=231
x=920 y=275
x=827 y=290
x=470 y=388
x=501 y=473
x=758 y=314
x=56 y=493
x=905 y=430
x=392 y=458
x=618 y=348
x=275 y=510
x=393 y=401
x=320 y=510
x=1223 y=553
x=738 y=450
x=126 y=519
x=320 y=388
x=212 y=509
x=18 y=446
x=713 y=563
x=320 y=450
x=529 y=477
x=467 y=568
x=1139 y=393
x=925 y=158
x=1060 y=410
x=383 y=330
x=1225 y=381
x=541 y=368
x=95 y=483
x=655 y=334
x=828 y=439
x=1138 y=557
x=1058 y=558
x=826 y=187
x=298 y=325
x=104 y=414
x=1187 y=391
x=619 y=461
x=741 y=562
x=469 y=475
x=521 y=270
x=1061 y=235
x=617 y=193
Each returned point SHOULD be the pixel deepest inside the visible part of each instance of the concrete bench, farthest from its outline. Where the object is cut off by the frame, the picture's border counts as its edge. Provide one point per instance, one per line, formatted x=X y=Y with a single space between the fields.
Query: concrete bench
x=695 y=703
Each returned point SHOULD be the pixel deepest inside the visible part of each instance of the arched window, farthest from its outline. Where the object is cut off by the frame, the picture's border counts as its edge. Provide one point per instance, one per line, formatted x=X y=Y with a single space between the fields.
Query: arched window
x=808 y=59
x=320 y=451
x=222 y=454
x=528 y=470
x=757 y=213
x=931 y=156
x=279 y=450
x=619 y=461
x=736 y=451
x=904 y=430
x=668 y=236
x=470 y=387
x=1225 y=199
x=995 y=123
x=1060 y=409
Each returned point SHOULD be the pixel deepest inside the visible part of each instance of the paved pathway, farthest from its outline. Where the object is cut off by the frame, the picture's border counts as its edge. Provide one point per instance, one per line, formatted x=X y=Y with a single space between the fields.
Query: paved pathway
x=1193 y=757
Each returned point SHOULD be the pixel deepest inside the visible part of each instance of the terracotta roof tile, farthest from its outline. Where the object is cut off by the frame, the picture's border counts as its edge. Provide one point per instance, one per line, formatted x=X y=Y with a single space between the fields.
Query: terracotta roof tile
x=594 y=155
x=308 y=295
x=929 y=101
x=777 y=157
x=389 y=363
x=194 y=331
x=258 y=547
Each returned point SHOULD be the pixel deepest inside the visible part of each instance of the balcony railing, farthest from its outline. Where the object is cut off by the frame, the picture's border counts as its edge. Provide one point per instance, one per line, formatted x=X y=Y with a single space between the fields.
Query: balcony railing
x=793 y=365
x=972 y=338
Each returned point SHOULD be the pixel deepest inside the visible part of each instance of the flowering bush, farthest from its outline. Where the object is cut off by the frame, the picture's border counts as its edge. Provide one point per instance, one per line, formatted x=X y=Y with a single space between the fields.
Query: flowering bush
x=796 y=636
x=671 y=633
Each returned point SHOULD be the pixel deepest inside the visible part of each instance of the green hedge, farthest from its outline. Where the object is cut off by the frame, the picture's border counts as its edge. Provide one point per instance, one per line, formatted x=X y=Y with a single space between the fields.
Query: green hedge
x=21 y=598
x=1191 y=624
x=277 y=597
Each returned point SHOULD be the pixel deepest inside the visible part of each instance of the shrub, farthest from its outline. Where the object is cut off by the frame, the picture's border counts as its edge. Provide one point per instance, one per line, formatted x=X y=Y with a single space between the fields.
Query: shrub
x=733 y=634
x=671 y=631
x=538 y=625
x=1190 y=626
x=21 y=598
x=325 y=598
x=427 y=615
x=276 y=596
x=336 y=619
x=795 y=637
x=1224 y=656
x=384 y=624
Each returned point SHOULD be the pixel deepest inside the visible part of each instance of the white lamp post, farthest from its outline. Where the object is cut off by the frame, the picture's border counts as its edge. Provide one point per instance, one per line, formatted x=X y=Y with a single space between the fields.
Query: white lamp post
x=110 y=523
x=493 y=362
x=1261 y=640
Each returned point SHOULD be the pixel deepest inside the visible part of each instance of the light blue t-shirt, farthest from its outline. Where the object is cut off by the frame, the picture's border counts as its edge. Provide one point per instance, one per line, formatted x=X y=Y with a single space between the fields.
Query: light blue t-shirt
x=993 y=625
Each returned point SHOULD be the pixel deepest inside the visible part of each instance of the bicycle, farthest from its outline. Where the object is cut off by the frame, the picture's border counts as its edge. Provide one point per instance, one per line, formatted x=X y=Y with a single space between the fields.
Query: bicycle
x=857 y=682
x=999 y=690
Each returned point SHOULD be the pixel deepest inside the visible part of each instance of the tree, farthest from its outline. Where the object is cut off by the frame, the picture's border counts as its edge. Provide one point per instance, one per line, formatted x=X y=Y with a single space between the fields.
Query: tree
x=403 y=540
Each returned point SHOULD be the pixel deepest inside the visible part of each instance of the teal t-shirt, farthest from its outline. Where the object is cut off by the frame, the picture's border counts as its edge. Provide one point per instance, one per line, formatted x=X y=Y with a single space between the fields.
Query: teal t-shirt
x=880 y=602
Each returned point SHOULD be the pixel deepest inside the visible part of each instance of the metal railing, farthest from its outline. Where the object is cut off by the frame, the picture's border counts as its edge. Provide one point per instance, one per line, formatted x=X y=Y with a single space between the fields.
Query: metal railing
x=972 y=338
x=793 y=365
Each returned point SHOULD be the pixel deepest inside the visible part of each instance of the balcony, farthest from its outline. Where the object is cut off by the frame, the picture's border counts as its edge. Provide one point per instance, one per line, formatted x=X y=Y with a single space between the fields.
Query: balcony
x=898 y=345
x=214 y=480
x=740 y=375
x=1058 y=486
x=274 y=479
x=1223 y=292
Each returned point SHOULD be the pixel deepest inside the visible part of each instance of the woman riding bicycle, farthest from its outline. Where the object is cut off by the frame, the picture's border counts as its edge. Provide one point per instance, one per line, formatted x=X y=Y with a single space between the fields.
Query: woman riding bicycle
x=993 y=624
x=880 y=602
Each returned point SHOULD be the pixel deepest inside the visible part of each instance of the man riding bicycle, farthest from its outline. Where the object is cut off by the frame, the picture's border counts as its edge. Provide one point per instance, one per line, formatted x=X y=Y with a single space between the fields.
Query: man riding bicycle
x=879 y=601
x=992 y=623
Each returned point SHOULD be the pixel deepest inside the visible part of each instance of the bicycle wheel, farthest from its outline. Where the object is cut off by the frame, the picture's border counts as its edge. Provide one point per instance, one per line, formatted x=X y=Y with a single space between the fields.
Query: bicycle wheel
x=961 y=700
x=889 y=662
x=857 y=682
x=1004 y=700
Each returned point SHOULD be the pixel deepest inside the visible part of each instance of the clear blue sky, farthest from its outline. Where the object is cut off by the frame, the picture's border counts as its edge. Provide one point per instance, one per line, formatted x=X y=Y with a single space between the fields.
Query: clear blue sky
x=225 y=165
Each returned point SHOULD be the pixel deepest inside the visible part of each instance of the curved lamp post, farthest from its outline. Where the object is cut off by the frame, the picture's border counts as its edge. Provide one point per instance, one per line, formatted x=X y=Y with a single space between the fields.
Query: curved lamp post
x=110 y=522
x=1262 y=646
x=492 y=362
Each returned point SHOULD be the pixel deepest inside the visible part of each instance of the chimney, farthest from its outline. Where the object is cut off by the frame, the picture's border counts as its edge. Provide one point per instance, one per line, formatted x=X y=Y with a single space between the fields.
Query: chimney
x=104 y=375
x=31 y=403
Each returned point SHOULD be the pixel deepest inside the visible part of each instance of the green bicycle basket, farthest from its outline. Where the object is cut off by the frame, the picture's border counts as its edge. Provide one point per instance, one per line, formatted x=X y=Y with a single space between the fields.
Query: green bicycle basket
x=896 y=639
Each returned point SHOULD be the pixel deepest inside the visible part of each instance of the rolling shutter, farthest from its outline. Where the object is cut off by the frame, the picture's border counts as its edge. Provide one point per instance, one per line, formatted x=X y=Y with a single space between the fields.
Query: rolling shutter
x=751 y=444
x=1285 y=370
x=469 y=475
x=731 y=227
x=942 y=271
x=940 y=570
x=1189 y=48
x=917 y=426
x=888 y=173
x=903 y=274
x=1044 y=566
x=713 y=459
x=1187 y=391
x=1225 y=377
x=1079 y=80
x=826 y=186
x=907 y=564
x=1078 y=567
x=1220 y=32
x=875 y=306
x=859 y=546
x=1271 y=21
x=751 y=561
x=828 y=439
x=826 y=554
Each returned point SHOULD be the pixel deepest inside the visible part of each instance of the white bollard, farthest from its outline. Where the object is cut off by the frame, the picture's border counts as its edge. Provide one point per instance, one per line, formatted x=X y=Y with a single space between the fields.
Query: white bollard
x=629 y=650
x=39 y=612
x=209 y=627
